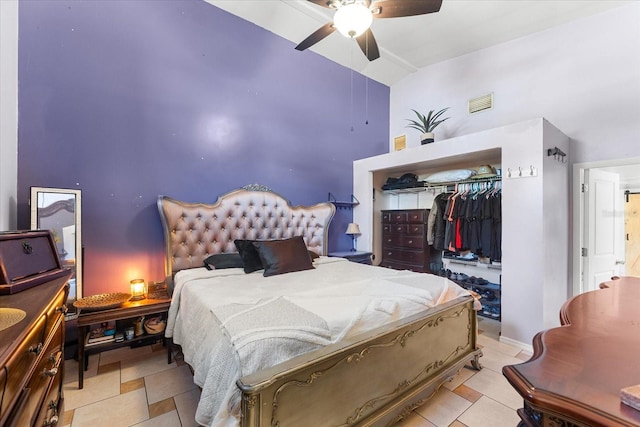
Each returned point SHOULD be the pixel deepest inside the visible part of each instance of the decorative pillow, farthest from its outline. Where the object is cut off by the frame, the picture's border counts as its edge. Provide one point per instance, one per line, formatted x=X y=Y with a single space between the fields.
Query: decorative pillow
x=450 y=175
x=221 y=261
x=313 y=255
x=250 y=258
x=283 y=256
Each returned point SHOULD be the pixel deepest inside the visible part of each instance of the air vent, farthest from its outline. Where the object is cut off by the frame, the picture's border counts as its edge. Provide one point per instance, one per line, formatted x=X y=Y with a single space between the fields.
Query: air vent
x=481 y=103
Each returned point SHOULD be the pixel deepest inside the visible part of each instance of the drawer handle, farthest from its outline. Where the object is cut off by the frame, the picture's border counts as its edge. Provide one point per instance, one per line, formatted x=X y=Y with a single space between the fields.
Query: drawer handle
x=389 y=240
x=37 y=350
x=63 y=309
x=410 y=241
x=389 y=253
x=49 y=372
x=53 y=421
x=399 y=228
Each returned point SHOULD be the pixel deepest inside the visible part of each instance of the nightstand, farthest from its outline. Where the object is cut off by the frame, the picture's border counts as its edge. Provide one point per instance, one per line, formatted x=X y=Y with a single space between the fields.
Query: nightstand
x=126 y=313
x=354 y=256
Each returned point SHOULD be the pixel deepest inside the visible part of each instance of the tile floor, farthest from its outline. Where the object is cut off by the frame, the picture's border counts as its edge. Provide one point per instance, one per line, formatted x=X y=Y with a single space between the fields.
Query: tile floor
x=136 y=387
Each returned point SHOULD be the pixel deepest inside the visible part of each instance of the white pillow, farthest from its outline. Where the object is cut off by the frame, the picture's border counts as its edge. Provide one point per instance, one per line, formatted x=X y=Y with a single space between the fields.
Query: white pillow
x=450 y=176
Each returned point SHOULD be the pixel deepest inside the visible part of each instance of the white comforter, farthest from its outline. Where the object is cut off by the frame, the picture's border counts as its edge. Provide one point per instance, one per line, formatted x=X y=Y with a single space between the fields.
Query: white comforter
x=231 y=324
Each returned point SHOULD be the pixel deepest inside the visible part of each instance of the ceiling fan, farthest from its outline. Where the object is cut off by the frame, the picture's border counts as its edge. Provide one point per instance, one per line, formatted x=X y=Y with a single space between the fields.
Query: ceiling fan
x=353 y=19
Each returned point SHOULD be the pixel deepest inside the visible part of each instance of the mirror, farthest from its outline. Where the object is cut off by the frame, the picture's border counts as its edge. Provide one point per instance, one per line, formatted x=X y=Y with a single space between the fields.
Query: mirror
x=59 y=210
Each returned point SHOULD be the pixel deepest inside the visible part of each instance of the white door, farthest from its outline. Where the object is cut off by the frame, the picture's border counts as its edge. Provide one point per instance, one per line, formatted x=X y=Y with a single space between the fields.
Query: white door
x=604 y=220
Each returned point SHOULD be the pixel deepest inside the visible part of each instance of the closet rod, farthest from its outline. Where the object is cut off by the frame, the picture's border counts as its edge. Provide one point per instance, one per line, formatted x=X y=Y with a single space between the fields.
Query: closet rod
x=444 y=185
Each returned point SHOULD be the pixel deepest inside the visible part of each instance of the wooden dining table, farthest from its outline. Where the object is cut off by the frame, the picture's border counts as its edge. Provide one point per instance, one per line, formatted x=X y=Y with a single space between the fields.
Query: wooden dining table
x=577 y=370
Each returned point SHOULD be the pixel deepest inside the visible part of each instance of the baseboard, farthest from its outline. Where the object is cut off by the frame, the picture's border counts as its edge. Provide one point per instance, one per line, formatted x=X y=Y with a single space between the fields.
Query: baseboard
x=525 y=347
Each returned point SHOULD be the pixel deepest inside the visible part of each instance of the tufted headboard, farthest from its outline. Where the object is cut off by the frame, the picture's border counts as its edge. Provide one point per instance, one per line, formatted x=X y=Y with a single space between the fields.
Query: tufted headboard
x=194 y=231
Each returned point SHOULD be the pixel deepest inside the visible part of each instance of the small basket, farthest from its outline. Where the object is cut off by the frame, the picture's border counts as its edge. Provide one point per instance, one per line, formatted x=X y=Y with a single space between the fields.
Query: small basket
x=154 y=325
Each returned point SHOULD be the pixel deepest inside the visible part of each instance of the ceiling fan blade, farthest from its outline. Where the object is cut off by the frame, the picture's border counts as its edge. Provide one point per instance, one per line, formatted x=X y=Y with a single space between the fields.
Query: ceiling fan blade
x=318 y=35
x=323 y=3
x=368 y=44
x=397 y=8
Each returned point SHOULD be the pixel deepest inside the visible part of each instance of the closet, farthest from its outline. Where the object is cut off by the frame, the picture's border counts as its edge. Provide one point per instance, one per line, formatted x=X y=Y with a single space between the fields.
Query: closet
x=533 y=271
x=458 y=238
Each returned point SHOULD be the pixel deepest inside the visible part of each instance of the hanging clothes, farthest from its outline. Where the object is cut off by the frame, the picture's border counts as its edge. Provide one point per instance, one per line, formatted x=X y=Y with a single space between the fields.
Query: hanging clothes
x=496 y=237
x=469 y=219
x=472 y=215
x=435 y=225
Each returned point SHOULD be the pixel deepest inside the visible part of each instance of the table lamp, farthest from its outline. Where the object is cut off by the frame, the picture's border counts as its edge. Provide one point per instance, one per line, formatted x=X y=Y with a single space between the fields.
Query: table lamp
x=354 y=230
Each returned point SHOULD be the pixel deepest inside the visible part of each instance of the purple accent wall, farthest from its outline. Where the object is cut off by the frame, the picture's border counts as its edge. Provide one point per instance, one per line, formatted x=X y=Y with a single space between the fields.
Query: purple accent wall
x=129 y=100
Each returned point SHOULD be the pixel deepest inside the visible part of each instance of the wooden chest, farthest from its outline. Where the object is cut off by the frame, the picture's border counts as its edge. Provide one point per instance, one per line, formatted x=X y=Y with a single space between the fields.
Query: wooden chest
x=32 y=355
x=404 y=240
x=27 y=259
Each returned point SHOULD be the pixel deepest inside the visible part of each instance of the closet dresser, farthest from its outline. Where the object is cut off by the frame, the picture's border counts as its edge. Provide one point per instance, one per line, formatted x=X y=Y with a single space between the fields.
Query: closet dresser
x=404 y=240
x=33 y=293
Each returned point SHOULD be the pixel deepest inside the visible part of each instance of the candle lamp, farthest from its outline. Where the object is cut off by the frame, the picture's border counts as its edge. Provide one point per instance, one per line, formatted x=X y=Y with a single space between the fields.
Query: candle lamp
x=138 y=289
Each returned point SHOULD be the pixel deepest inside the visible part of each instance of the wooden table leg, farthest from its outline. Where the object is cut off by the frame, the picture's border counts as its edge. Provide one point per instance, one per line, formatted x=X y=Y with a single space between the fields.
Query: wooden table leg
x=82 y=359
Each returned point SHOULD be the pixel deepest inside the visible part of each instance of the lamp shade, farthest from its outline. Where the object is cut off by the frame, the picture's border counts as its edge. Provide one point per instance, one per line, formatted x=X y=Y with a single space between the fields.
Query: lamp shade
x=352 y=228
x=353 y=19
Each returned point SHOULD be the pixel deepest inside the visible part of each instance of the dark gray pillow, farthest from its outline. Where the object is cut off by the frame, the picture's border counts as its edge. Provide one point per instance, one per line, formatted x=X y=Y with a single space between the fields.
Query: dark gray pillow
x=250 y=258
x=283 y=256
x=222 y=261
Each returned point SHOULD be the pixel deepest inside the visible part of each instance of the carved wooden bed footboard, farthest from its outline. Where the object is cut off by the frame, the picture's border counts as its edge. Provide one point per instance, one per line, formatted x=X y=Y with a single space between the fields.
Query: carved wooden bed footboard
x=376 y=378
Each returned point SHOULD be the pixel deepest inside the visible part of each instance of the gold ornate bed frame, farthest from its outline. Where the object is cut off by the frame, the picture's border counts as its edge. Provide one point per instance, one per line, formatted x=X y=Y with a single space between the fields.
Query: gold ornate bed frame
x=374 y=379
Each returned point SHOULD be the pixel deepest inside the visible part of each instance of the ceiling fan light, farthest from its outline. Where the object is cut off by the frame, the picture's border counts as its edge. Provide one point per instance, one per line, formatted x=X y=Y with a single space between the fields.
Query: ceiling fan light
x=353 y=19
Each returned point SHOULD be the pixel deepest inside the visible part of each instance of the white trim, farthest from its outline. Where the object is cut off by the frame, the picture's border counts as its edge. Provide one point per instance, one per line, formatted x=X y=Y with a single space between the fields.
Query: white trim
x=525 y=347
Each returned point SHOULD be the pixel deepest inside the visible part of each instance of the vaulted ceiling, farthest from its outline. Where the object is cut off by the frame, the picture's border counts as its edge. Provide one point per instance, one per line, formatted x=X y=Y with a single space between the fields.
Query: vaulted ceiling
x=410 y=43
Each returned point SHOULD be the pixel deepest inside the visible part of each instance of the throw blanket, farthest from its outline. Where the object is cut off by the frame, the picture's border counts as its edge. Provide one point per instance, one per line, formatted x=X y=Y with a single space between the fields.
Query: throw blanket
x=231 y=324
x=262 y=335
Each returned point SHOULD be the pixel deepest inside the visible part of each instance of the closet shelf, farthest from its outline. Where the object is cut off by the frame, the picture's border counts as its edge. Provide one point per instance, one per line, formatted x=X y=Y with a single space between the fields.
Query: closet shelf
x=344 y=204
x=462 y=261
x=473 y=263
x=441 y=185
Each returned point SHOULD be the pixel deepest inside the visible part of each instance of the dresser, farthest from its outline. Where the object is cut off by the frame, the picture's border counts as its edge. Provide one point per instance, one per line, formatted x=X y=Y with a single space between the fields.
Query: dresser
x=32 y=354
x=404 y=240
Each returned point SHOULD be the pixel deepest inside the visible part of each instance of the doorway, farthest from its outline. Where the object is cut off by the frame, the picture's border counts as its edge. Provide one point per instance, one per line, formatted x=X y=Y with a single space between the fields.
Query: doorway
x=606 y=229
x=632 y=233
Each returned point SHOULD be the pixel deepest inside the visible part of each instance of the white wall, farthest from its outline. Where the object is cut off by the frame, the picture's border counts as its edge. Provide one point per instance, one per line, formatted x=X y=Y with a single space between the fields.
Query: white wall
x=8 y=113
x=584 y=77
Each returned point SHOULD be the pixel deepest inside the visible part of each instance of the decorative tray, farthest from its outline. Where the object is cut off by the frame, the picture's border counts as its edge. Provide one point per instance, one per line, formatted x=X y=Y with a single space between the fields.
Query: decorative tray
x=10 y=316
x=101 y=301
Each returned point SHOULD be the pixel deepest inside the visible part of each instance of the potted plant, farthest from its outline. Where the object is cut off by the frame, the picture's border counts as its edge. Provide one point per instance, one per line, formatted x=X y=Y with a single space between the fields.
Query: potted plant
x=426 y=124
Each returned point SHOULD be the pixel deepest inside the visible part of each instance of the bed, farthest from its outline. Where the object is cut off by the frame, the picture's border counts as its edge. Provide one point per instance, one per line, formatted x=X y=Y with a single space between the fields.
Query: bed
x=334 y=344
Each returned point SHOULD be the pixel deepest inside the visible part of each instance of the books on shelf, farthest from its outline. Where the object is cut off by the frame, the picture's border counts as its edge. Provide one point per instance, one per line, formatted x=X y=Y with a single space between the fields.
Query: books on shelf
x=89 y=341
x=105 y=333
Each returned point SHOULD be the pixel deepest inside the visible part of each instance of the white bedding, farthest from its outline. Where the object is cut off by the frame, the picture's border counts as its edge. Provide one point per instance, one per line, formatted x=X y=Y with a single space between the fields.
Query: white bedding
x=231 y=324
